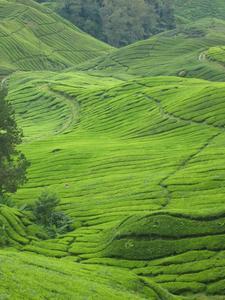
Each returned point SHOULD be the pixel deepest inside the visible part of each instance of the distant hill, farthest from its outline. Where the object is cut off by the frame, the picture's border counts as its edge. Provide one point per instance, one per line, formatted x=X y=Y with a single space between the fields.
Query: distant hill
x=181 y=52
x=34 y=38
x=195 y=9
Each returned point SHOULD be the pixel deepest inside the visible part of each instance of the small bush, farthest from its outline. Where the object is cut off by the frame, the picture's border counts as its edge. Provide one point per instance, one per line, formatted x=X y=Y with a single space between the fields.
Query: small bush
x=45 y=214
x=61 y=221
x=44 y=207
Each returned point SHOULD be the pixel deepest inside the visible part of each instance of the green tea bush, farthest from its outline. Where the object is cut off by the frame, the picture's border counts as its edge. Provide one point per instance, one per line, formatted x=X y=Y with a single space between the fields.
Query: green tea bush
x=6 y=200
x=4 y=241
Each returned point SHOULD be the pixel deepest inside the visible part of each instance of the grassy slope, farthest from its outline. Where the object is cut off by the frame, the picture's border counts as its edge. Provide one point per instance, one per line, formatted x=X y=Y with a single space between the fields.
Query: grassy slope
x=35 y=38
x=197 y=9
x=118 y=151
x=38 y=277
x=139 y=165
x=179 y=52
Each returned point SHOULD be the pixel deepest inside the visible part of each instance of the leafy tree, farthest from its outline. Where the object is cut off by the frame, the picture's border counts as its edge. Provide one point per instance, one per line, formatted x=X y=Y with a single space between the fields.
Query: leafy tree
x=13 y=164
x=119 y=22
x=45 y=213
x=84 y=13
x=164 y=12
x=45 y=206
x=131 y=21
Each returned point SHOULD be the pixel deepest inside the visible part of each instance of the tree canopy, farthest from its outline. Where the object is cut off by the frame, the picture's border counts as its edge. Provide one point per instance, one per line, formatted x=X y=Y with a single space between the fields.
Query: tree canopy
x=119 y=22
x=13 y=163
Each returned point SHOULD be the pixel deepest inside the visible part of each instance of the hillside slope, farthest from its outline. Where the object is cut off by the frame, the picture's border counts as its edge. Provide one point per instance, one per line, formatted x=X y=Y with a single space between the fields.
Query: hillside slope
x=29 y=276
x=128 y=158
x=180 y=52
x=197 y=9
x=35 y=38
x=135 y=151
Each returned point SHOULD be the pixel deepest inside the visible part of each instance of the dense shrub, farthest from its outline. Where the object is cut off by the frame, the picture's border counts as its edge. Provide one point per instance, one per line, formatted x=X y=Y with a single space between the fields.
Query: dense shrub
x=45 y=213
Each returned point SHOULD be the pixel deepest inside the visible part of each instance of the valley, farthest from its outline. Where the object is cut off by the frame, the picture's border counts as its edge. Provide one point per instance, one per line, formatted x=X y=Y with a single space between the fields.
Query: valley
x=133 y=141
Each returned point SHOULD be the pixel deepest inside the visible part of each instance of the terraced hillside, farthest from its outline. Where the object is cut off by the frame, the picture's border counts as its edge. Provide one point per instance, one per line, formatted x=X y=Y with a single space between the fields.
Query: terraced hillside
x=133 y=142
x=181 y=52
x=140 y=171
x=216 y=54
x=196 y=9
x=34 y=38
x=15 y=227
x=44 y=278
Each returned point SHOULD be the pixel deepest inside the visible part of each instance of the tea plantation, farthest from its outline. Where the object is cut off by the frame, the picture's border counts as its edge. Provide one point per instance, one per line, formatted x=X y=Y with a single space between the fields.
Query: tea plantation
x=35 y=38
x=133 y=142
x=181 y=52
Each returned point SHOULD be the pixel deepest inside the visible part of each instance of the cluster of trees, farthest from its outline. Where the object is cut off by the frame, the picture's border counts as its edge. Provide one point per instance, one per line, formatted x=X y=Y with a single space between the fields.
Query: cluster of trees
x=118 y=22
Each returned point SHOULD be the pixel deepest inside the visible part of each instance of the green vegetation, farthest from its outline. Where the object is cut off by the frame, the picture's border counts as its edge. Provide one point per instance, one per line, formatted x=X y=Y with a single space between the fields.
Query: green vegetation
x=123 y=22
x=15 y=228
x=129 y=148
x=13 y=163
x=118 y=22
x=62 y=279
x=133 y=142
x=216 y=54
x=181 y=52
x=44 y=211
x=44 y=207
x=196 y=9
x=34 y=38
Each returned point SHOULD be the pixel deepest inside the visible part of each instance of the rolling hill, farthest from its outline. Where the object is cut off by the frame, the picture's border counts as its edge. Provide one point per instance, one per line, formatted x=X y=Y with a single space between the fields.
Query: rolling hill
x=191 y=10
x=138 y=169
x=133 y=141
x=181 y=52
x=34 y=38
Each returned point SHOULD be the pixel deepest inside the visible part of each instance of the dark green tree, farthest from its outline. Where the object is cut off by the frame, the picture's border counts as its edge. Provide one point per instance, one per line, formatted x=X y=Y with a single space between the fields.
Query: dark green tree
x=84 y=13
x=119 y=22
x=46 y=214
x=13 y=164
x=44 y=207
x=126 y=21
x=165 y=13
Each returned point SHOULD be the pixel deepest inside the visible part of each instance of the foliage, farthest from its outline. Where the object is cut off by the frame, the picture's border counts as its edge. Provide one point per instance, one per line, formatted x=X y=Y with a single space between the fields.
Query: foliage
x=45 y=206
x=6 y=200
x=178 y=52
x=13 y=227
x=132 y=147
x=139 y=163
x=126 y=21
x=13 y=164
x=197 y=9
x=30 y=276
x=119 y=22
x=43 y=41
x=4 y=241
x=44 y=210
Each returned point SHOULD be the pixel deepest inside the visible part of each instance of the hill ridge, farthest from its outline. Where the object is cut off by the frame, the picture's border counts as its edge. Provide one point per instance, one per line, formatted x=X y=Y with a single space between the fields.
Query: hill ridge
x=35 y=38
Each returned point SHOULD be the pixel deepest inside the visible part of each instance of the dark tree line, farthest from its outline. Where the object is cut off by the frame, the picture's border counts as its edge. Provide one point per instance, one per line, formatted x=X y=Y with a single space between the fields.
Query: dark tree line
x=118 y=22
x=13 y=163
